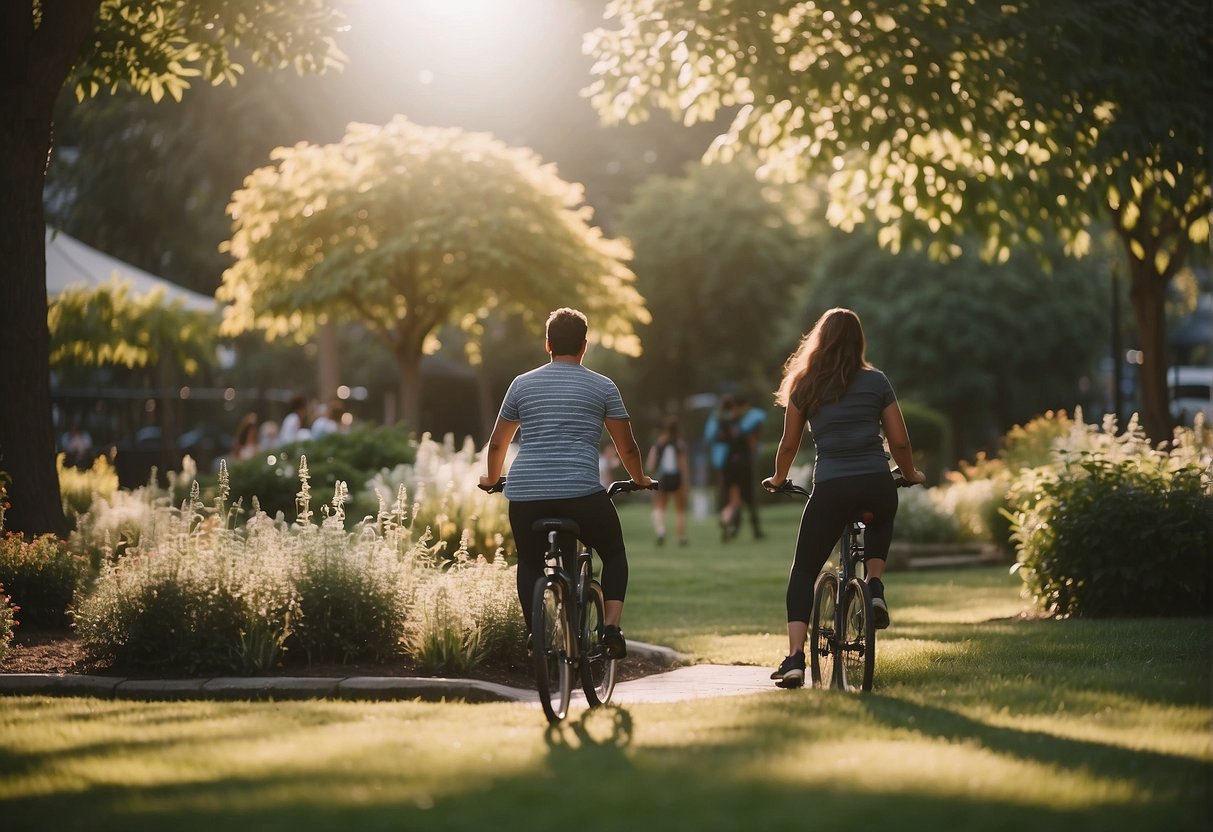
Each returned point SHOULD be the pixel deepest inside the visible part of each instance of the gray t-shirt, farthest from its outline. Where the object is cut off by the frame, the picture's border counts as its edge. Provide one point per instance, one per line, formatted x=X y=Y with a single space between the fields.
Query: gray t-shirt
x=847 y=432
x=561 y=407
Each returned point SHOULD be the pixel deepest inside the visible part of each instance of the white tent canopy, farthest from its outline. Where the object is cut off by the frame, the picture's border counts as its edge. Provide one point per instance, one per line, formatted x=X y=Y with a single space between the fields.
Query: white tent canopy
x=70 y=262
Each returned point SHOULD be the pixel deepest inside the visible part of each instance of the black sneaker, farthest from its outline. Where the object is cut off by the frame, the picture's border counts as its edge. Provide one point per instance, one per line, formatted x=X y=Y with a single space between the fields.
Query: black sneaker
x=790 y=673
x=880 y=610
x=613 y=642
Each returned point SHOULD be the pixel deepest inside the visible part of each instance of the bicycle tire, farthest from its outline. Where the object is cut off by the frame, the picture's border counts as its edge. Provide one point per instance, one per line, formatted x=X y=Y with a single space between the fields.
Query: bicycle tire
x=859 y=638
x=823 y=644
x=598 y=670
x=552 y=648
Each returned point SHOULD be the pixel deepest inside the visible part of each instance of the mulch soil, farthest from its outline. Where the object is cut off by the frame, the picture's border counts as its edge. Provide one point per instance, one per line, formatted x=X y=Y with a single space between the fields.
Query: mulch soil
x=60 y=652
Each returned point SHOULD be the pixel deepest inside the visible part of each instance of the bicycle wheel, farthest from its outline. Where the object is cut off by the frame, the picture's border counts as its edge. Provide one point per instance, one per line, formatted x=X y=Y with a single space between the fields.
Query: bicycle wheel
x=859 y=637
x=598 y=670
x=553 y=676
x=823 y=644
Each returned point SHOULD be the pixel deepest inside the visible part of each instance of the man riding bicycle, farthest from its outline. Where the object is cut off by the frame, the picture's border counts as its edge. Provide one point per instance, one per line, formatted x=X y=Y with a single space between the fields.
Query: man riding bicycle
x=560 y=409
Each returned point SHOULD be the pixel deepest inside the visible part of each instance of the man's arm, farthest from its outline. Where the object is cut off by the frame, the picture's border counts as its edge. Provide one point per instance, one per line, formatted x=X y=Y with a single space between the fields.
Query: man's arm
x=499 y=443
x=629 y=452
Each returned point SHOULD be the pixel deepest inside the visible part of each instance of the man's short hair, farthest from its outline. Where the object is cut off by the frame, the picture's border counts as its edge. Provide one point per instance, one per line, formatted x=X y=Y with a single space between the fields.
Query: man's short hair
x=566 y=331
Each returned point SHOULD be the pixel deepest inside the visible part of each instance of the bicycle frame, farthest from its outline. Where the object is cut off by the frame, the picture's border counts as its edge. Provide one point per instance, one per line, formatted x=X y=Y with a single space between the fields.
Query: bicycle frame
x=555 y=566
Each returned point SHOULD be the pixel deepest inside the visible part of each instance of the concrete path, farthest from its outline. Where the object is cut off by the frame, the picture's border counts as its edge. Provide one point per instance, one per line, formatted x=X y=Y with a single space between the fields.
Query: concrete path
x=676 y=685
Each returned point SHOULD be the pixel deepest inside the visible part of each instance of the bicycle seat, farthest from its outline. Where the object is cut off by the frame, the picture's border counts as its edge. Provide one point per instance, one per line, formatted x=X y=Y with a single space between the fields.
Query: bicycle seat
x=560 y=525
x=864 y=517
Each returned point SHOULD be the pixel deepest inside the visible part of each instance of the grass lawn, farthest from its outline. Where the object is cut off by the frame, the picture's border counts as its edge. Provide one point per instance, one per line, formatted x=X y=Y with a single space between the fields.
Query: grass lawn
x=980 y=720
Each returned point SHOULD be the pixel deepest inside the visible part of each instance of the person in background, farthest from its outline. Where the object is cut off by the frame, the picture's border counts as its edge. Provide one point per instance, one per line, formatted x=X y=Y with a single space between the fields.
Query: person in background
x=267 y=434
x=749 y=425
x=668 y=457
x=247 y=440
x=829 y=387
x=329 y=420
x=724 y=440
x=294 y=423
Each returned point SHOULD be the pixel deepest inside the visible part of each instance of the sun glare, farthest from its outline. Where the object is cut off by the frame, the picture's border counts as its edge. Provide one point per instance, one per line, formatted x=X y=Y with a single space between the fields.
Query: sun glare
x=466 y=37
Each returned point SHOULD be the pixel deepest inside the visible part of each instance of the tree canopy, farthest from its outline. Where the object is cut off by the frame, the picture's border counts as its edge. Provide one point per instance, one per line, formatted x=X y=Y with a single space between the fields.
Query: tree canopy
x=988 y=359
x=718 y=255
x=156 y=47
x=110 y=324
x=952 y=122
x=405 y=228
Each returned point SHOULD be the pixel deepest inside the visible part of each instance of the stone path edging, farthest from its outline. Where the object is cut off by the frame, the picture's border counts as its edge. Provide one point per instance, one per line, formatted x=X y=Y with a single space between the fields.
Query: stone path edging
x=677 y=684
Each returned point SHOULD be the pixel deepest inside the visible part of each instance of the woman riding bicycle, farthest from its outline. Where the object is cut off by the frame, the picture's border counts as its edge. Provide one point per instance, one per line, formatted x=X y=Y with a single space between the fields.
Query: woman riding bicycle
x=561 y=408
x=845 y=402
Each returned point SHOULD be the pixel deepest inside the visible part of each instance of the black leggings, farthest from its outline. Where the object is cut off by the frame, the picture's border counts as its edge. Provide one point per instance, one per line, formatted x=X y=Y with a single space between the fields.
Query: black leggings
x=600 y=530
x=833 y=504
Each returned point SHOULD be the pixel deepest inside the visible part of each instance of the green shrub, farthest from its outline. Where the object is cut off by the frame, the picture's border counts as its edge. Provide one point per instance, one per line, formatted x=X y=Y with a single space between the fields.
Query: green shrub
x=353 y=599
x=1117 y=528
x=115 y=524
x=198 y=594
x=193 y=596
x=41 y=577
x=78 y=489
x=467 y=616
x=197 y=591
x=920 y=520
x=978 y=506
x=7 y=624
x=1032 y=445
x=353 y=458
x=442 y=486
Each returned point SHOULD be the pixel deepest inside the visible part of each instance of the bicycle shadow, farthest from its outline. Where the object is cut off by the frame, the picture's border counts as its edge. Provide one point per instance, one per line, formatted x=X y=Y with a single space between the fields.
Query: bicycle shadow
x=597 y=736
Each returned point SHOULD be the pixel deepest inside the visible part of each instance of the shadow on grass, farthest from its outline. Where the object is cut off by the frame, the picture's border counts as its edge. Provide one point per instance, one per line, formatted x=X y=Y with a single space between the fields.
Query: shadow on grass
x=1039 y=665
x=594 y=777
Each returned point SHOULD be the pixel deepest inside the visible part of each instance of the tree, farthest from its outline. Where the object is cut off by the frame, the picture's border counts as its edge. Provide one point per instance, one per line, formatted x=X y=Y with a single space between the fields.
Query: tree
x=988 y=359
x=154 y=47
x=404 y=228
x=110 y=325
x=718 y=254
x=954 y=118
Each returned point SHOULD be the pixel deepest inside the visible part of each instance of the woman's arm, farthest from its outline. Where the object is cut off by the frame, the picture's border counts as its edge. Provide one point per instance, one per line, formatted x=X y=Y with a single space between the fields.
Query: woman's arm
x=894 y=425
x=499 y=443
x=629 y=452
x=789 y=444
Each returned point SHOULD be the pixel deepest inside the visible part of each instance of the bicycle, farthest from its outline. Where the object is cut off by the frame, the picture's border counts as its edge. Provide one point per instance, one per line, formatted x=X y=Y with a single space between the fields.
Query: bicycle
x=567 y=617
x=841 y=651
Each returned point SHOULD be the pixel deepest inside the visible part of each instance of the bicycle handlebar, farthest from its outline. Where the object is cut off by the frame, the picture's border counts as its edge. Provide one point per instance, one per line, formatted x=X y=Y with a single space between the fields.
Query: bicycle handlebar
x=628 y=486
x=620 y=486
x=789 y=487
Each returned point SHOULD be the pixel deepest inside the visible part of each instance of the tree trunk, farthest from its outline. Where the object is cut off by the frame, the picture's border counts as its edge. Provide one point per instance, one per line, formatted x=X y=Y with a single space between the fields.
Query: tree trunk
x=34 y=63
x=485 y=404
x=409 y=363
x=1148 y=293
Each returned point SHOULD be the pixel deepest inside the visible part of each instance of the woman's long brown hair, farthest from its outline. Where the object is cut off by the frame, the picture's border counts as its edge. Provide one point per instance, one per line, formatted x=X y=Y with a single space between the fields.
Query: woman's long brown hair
x=821 y=369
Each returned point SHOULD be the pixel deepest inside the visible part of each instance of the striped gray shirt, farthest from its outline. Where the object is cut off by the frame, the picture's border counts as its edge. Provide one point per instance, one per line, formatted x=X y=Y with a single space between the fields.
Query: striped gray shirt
x=561 y=407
